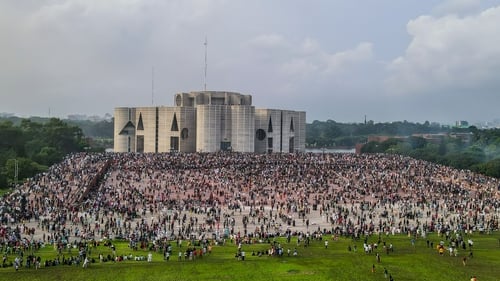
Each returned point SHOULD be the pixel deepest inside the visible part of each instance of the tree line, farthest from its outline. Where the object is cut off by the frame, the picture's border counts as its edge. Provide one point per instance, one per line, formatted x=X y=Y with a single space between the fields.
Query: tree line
x=325 y=134
x=29 y=147
x=469 y=148
x=475 y=150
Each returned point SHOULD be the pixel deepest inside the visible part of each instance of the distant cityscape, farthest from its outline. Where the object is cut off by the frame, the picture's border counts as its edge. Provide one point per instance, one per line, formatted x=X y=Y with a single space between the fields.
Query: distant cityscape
x=73 y=117
x=492 y=124
x=480 y=125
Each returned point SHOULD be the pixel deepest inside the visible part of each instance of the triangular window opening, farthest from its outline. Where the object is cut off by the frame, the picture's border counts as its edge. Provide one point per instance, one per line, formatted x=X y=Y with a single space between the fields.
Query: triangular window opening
x=174 y=127
x=128 y=129
x=140 y=126
x=291 y=125
x=270 y=126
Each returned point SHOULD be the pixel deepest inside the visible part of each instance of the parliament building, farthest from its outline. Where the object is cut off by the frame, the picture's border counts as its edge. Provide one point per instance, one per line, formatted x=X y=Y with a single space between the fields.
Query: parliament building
x=209 y=121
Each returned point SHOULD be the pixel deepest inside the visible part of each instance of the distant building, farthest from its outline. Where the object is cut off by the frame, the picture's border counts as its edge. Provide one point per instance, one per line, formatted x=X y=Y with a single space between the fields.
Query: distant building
x=462 y=124
x=6 y=115
x=77 y=117
x=93 y=118
x=464 y=137
x=432 y=138
x=385 y=138
x=209 y=121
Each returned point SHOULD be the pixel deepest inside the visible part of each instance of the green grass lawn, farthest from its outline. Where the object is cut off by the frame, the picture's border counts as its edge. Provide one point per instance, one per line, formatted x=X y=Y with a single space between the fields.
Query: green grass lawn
x=316 y=263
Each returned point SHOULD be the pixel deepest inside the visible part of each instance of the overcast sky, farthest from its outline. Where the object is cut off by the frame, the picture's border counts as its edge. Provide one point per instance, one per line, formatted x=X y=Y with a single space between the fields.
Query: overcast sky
x=390 y=60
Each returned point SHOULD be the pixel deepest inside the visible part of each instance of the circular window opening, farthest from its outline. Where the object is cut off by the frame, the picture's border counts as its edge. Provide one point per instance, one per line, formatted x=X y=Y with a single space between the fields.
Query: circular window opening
x=261 y=134
x=178 y=100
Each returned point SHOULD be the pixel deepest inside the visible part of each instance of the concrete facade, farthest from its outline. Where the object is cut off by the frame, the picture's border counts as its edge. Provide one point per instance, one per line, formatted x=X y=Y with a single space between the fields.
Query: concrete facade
x=209 y=121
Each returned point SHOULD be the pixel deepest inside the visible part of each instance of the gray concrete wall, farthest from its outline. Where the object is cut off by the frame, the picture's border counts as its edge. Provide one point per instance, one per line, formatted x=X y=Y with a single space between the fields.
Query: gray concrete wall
x=210 y=120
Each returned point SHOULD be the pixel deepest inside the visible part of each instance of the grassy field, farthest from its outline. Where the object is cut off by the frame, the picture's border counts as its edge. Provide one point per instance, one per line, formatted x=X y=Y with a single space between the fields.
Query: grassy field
x=315 y=262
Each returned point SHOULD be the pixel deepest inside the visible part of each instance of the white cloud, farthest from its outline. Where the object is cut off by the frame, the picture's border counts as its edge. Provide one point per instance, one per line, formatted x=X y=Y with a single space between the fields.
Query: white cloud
x=306 y=58
x=310 y=46
x=449 y=54
x=339 y=61
x=300 y=66
x=268 y=41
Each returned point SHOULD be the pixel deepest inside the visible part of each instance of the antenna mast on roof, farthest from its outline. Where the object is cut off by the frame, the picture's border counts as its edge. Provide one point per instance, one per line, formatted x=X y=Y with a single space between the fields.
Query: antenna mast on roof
x=152 y=85
x=205 y=81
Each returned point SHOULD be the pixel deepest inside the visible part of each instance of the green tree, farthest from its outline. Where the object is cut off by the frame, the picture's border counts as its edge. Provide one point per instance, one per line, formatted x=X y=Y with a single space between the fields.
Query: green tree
x=429 y=152
x=26 y=168
x=491 y=168
x=48 y=155
x=35 y=146
x=401 y=147
x=418 y=142
x=11 y=137
x=63 y=137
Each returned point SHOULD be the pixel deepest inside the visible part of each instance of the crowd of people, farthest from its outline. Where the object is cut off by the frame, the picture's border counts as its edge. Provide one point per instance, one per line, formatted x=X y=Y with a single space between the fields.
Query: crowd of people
x=147 y=198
